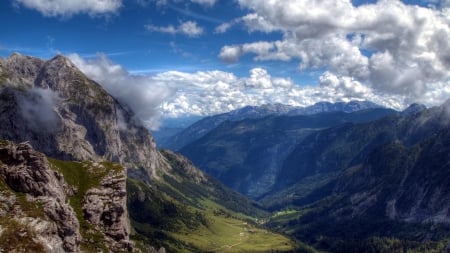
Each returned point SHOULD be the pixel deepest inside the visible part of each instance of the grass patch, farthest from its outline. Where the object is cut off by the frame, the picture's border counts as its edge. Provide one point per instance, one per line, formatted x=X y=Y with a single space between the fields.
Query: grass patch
x=226 y=234
x=84 y=176
x=160 y=220
x=18 y=237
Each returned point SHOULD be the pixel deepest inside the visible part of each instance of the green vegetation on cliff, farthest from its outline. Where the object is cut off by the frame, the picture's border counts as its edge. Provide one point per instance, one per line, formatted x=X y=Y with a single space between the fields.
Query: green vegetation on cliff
x=83 y=176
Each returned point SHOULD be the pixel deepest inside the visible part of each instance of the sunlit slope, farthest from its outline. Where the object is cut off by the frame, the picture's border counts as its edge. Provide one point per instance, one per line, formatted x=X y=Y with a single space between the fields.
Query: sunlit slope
x=197 y=214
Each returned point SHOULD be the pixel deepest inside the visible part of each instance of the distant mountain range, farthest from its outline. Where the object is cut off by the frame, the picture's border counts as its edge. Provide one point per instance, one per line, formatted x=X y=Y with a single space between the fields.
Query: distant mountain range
x=248 y=155
x=203 y=126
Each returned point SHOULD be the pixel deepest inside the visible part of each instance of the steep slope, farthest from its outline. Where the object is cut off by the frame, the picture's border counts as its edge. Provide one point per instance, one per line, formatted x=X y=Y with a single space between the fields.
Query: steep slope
x=63 y=113
x=248 y=155
x=381 y=185
x=46 y=209
x=321 y=156
x=204 y=126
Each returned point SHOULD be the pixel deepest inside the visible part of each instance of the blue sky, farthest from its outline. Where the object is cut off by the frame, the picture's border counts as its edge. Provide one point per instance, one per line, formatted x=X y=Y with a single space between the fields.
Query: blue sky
x=122 y=35
x=200 y=57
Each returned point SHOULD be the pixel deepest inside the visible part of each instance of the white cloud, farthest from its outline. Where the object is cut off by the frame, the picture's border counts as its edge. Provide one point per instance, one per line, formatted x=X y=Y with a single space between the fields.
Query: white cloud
x=189 y=28
x=204 y=2
x=230 y=54
x=255 y=22
x=224 y=27
x=142 y=94
x=252 y=21
x=259 y=79
x=53 y=8
x=388 y=47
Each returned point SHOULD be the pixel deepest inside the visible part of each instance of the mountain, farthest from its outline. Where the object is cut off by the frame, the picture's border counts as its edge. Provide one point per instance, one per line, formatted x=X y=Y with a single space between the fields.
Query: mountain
x=321 y=107
x=248 y=155
x=381 y=185
x=55 y=107
x=88 y=177
x=204 y=126
x=327 y=152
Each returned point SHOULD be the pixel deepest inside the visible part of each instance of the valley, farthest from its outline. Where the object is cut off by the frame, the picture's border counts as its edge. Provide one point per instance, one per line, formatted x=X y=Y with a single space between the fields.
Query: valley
x=360 y=181
x=344 y=177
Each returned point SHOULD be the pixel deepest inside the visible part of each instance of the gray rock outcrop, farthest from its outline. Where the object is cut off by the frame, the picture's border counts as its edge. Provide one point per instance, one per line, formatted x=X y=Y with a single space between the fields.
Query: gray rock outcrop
x=27 y=171
x=106 y=208
x=37 y=205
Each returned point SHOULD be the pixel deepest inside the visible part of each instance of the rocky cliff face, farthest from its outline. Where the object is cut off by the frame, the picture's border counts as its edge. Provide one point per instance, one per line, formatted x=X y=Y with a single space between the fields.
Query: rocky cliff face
x=66 y=115
x=24 y=171
x=41 y=211
x=105 y=206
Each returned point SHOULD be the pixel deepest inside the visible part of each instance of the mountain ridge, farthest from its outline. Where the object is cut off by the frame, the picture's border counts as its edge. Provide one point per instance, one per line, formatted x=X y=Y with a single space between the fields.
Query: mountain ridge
x=203 y=126
x=247 y=155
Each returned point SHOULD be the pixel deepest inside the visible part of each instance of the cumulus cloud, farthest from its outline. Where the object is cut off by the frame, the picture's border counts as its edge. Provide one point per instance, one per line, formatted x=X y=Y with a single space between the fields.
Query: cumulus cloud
x=230 y=54
x=142 y=94
x=387 y=47
x=53 y=8
x=189 y=28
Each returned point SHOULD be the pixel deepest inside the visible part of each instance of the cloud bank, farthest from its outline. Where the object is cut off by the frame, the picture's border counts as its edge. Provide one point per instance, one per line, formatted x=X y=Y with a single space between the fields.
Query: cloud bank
x=54 y=8
x=387 y=47
x=212 y=92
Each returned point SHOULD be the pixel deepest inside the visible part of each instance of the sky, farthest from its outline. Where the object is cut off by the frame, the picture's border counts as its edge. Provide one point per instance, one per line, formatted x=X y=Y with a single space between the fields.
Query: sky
x=178 y=58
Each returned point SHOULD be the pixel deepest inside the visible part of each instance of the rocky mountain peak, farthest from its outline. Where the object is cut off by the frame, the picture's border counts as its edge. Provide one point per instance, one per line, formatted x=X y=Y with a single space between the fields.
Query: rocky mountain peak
x=21 y=71
x=90 y=123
